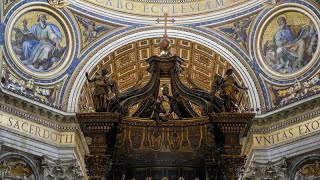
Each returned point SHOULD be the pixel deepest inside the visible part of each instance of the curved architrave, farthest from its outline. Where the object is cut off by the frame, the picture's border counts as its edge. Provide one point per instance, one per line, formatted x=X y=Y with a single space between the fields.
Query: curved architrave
x=244 y=8
x=225 y=53
x=25 y=159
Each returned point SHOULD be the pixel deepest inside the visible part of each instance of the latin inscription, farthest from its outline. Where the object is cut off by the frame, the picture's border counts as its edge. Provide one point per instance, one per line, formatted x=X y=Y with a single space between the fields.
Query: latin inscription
x=36 y=130
x=287 y=134
x=173 y=8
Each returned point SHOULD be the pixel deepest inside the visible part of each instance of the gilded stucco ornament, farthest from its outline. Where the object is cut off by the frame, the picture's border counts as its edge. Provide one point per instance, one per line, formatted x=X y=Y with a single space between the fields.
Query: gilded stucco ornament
x=308 y=171
x=16 y=169
x=238 y=30
x=272 y=3
x=58 y=3
x=269 y=170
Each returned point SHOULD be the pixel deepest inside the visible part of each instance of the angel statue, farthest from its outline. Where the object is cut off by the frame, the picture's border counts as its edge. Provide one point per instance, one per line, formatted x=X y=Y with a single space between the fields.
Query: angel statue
x=238 y=31
x=173 y=101
x=158 y=109
x=91 y=29
x=103 y=84
x=228 y=89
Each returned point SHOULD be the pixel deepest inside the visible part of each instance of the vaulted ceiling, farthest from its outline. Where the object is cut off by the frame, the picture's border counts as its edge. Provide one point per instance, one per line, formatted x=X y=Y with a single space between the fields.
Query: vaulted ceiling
x=128 y=67
x=119 y=35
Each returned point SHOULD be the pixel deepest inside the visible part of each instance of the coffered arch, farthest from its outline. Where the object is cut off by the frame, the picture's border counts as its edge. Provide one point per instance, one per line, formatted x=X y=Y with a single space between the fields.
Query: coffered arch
x=79 y=79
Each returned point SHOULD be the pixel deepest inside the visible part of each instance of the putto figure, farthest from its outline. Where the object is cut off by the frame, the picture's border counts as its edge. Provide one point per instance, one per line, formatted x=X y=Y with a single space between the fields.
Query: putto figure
x=239 y=31
x=91 y=29
x=103 y=83
x=38 y=47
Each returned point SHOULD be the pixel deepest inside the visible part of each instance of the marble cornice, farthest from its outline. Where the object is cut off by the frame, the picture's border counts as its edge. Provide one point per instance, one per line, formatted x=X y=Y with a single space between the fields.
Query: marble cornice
x=287 y=117
x=37 y=114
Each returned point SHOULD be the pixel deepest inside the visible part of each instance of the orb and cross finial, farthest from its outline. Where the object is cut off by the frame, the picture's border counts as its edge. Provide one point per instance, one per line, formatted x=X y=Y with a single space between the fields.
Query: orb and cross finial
x=165 y=41
x=165 y=20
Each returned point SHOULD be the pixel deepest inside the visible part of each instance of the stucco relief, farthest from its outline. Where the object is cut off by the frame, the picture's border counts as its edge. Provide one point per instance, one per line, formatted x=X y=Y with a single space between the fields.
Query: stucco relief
x=91 y=29
x=238 y=30
x=45 y=94
x=281 y=96
x=13 y=168
x=308 y=171
x=17 y=166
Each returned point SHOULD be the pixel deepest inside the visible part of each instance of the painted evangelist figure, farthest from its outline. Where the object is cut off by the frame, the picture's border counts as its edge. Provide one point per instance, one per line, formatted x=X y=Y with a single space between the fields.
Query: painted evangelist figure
x=292 y=45
x=39 y=46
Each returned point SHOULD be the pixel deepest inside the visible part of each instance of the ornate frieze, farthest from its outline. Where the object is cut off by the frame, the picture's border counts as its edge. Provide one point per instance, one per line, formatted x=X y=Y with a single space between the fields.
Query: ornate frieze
x=93 y=29
x=267 y=171
x=37 y=114
x=237 y=30
x=300 y=89
x=61 y=169
x=164 y=145
x=43 y=93
x=287 y=117
x=98 y=167
x=34 y=120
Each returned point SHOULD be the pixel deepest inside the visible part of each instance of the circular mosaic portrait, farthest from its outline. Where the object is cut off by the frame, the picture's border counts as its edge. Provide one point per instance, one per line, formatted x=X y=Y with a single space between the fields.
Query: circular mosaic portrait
x=288 y=42
x=39 y=42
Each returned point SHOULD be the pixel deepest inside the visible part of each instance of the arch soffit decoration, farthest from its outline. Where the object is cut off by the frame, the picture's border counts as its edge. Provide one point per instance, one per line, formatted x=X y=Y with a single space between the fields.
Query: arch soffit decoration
x=302 y=161
x=9 y=155
x=240 y=66
x=243 y=8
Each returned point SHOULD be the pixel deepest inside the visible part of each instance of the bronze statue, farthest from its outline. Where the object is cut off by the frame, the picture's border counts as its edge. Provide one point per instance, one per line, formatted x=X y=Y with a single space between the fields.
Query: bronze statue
x=102 y=84
x=228 y=89
x=173 y=101
x=158 y=108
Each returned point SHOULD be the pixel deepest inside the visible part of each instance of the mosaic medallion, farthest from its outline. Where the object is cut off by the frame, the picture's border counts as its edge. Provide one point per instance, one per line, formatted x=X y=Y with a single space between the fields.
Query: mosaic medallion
x=288 y=43
x=39 y=41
